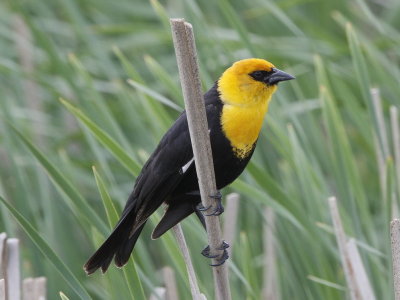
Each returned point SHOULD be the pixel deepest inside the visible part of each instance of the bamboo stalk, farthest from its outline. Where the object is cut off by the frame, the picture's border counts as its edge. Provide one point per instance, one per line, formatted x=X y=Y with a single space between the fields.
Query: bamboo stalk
x=170 y=284
x=194 y=286
x=158 y=293
x=394 y=121
x=395 y=238
x=41 y=287
x=230 y=219
x=2 y=290
x=28 y=289
x=186 y=56
x=270 y=289
x=34 y=288
x=344 y=255
x=13 y=278
x=360 y=276
x=3 y=238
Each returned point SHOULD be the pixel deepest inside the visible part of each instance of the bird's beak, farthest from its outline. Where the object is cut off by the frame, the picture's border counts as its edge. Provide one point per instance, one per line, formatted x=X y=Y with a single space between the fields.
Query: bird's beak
x=278 y=76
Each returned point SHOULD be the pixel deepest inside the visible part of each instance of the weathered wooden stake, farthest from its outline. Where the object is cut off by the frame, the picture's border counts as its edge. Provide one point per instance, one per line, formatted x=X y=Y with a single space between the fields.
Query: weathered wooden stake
x=230 y=219
x=356 y=277
x=395 y=238
x=270 y=289
x=13 y=279
x=186 y=56
x=194 y=286
x=170 y=283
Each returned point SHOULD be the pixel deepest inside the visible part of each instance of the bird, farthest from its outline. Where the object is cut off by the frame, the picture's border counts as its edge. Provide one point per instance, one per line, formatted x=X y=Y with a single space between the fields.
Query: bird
x=235 y=107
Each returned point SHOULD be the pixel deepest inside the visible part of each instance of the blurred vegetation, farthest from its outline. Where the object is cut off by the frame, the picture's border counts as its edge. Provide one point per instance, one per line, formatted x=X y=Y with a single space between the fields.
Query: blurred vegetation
x=321 y=136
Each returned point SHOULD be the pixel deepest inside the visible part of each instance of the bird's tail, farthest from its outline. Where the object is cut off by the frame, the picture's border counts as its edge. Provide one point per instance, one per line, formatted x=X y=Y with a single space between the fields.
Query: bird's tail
x=119 y=244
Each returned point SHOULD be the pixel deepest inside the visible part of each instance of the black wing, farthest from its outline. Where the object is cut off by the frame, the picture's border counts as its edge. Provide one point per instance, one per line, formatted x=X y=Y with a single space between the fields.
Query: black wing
x=158 y=179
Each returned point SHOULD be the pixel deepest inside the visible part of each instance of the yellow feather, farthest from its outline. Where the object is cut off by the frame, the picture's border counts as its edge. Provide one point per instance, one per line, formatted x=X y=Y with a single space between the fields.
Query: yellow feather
x=245 y=104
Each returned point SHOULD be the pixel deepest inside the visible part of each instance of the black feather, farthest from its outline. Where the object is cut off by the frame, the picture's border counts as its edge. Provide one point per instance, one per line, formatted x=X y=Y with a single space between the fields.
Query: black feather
x=125 y=249
x=176 y=211
x=162 y=180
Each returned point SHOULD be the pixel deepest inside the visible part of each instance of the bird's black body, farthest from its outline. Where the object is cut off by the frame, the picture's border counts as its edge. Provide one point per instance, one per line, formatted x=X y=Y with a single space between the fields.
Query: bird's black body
x=169 y=176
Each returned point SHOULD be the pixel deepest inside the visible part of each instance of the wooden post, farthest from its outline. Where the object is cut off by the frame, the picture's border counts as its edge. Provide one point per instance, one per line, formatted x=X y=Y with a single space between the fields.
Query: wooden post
x=170 y=283
x=2 y=290
x=356 y=277
x=186 y=56
x=159 y=293
x=360 y=275
x=230 y=219
x=270 y=289
x=10 y=274
x=394 y=121
x=34 y=288
x=194 y=287
x=395 y=238
x=3 y=238
x=13 y=278
x=344 y=255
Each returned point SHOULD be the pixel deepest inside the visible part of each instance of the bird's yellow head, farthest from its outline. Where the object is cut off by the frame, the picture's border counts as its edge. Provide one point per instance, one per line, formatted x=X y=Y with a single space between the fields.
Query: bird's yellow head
x=250 y=82
x=245 y=89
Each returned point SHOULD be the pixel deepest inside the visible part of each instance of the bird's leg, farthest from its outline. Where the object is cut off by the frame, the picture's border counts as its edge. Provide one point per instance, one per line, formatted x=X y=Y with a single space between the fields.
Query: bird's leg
x=199 y=207
x=200 y=215
x=219 y=258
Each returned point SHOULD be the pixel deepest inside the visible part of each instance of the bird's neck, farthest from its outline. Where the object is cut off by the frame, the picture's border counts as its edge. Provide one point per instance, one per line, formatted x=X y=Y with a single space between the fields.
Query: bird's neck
x=242 y=124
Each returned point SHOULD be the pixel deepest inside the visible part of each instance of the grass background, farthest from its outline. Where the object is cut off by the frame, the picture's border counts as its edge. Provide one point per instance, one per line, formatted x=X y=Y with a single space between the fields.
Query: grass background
x=321 y=137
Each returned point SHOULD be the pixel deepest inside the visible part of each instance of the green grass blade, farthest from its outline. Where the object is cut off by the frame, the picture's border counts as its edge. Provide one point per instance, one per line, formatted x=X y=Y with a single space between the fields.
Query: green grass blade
x=142 y=88
x=163 y=76
x=261 y=197
x=364 y=81
x=232 y=17
x=129 y=163
x=46 y=250
x=63 y=296
x=80 y=206
x=111 y=211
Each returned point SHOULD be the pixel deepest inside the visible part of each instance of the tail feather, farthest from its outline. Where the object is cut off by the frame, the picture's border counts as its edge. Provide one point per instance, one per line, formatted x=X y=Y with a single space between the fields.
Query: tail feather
x=124 y=251
x=104 y=255
x=119 y=244
x=105 y=264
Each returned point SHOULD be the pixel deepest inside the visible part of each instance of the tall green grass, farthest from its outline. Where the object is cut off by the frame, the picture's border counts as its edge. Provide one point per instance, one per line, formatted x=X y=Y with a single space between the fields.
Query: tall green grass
x=321 y=137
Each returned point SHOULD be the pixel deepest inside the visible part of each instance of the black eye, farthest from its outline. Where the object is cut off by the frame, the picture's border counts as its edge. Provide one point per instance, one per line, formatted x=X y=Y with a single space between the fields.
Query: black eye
x=261 y=75
x=258 y=75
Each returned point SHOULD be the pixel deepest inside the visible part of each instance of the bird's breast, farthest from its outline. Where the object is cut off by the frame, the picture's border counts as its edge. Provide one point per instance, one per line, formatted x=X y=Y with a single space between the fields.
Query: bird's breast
x=241 y=126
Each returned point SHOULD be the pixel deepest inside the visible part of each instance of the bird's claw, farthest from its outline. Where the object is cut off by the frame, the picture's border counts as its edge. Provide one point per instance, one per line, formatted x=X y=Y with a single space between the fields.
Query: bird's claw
x=200 y=207
x=224 y=246
x=219 y=209
x=219 y=258
x=222 y=259
x=216 y=196
x=206 y=253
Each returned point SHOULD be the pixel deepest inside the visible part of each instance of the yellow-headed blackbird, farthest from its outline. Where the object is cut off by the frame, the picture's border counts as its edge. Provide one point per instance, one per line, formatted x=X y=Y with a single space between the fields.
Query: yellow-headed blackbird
x=235 y=106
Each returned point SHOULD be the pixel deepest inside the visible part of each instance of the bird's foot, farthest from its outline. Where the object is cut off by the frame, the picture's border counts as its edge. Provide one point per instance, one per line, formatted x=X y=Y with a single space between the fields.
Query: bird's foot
x=217 y=196
x=219 y=209
x=200 y=207
x=219 y=258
